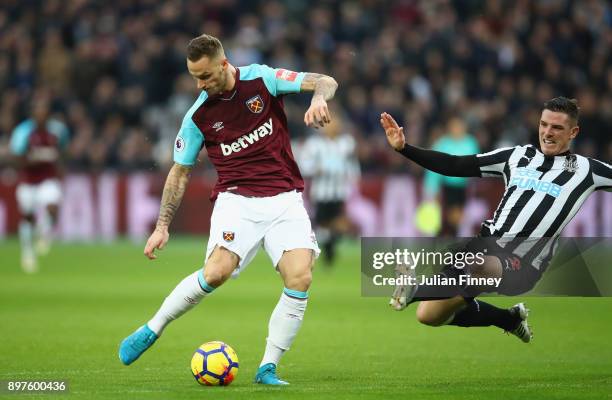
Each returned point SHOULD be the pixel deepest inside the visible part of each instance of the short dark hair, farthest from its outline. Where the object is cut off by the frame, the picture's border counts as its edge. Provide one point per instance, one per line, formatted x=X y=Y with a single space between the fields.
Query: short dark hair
x=564 y=105
x=204 y=46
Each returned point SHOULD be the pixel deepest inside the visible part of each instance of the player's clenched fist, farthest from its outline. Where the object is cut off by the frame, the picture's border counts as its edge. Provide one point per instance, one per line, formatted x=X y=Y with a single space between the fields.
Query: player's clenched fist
x=157 y=240
x=317 y=115
x=394 y=132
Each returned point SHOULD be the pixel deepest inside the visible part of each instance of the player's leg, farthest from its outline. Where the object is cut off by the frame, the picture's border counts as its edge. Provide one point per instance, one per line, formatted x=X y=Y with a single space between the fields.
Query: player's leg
x=26 y=201
x=471 y=312
x=233 y=241
x=191 y=290
x=439 y=312
x=323 y=229
x=405 y=295
x=295 y=267
x=479 y=313
x=339 y=225
x=186 y=295
x=464 y=312
x=26 y=234
x=292 y=247
x=49 y=198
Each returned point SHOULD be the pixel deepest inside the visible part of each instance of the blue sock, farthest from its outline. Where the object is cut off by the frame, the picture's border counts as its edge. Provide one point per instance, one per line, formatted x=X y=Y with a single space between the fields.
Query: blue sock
x=296 y=294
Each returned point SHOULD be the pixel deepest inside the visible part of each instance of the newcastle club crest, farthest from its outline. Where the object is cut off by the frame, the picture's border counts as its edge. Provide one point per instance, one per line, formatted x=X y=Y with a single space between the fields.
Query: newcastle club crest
x=571 y=163
x=255 y=104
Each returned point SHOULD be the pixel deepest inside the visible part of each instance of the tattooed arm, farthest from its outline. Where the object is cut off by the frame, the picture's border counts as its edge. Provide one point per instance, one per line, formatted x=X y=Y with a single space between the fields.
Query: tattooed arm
x=177 y=180
x=323 y=88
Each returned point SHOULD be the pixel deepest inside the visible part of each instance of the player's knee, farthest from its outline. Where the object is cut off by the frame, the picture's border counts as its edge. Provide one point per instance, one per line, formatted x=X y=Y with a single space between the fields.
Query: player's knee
x=300 y=281
x=428 y=317
x=215 y=277
x=490 y=268
x=220 y=266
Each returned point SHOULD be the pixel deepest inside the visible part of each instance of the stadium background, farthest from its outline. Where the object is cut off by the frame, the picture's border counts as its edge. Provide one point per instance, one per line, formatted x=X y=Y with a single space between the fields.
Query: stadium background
x=116 y=72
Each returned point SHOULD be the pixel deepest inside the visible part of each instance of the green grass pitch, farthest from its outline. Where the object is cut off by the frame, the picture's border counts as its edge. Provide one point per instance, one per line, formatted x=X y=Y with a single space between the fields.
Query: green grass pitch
x=66 y=323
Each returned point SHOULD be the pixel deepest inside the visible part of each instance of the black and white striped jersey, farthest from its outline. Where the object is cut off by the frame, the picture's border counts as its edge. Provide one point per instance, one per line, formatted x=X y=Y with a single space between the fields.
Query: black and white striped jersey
x=542 y=194
x=332 y=166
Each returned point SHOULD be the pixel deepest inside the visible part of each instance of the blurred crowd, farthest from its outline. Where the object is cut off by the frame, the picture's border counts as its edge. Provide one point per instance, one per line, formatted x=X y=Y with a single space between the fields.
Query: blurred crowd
x=116 y=69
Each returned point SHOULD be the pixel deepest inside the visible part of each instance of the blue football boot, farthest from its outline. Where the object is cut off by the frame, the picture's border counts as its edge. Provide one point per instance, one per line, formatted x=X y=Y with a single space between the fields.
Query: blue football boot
x=266 y=374
x=137 y=343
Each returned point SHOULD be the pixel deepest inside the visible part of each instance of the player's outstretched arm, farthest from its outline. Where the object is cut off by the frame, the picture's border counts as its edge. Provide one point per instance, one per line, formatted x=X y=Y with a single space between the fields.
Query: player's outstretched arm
x=175 y=186
x=323 y=88
x=442 y=163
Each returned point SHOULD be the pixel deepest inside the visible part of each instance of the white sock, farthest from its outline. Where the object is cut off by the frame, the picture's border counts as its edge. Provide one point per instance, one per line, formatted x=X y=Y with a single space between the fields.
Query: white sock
x=284 y=325
x=45 y=227
x=25 y=236
x=183 y=298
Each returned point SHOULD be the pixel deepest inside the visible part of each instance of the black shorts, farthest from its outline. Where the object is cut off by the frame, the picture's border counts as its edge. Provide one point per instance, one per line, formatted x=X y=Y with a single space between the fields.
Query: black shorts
x=327 y=211
x=518 y=277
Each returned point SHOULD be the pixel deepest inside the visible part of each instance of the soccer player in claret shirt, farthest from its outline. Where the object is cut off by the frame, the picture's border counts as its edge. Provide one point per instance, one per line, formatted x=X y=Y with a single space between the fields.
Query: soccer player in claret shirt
x=239 y=117
x=37 y=143
x=545 y=186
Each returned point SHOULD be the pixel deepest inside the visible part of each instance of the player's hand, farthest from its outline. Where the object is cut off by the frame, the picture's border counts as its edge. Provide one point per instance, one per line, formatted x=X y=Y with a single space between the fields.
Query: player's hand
x=395 y=133
x=157 y=240
x=317 y=115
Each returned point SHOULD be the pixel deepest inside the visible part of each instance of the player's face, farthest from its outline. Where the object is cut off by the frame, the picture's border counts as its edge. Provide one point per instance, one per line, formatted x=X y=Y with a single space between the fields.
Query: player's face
x=40 y=111
x=556 y=132
x=210 y=74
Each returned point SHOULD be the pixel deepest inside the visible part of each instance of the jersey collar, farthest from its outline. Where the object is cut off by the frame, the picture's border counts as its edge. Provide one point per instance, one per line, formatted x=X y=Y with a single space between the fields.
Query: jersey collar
x=564 y=154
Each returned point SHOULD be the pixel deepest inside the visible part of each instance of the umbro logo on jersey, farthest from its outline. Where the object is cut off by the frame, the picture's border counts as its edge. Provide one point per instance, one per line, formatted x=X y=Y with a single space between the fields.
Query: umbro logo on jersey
x=313 y=238
x=245 y=141
x=218 y=126
x=255 y=104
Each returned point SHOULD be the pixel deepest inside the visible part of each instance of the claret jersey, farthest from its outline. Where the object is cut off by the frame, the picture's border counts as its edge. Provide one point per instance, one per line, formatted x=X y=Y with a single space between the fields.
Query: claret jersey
x=28 y=138
x=245 y=134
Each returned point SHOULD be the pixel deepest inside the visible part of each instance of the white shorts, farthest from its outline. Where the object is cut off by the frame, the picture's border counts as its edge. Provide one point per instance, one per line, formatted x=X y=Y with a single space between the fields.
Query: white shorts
x=242 y=224
x=31 y=197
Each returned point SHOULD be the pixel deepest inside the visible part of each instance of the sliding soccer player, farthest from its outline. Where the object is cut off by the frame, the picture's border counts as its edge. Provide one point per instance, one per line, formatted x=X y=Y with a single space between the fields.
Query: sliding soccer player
x=544 y=188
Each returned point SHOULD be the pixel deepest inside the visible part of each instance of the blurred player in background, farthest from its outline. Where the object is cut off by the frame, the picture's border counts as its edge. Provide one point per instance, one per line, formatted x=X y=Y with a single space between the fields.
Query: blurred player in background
x=329 y=159
x=545 y=188
x=239 y=117
x=457 y=141
x=37 y=143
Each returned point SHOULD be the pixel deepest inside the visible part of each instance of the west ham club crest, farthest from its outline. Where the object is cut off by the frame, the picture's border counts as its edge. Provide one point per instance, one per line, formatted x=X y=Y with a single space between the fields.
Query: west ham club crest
x=228 y=236
x=255 y=104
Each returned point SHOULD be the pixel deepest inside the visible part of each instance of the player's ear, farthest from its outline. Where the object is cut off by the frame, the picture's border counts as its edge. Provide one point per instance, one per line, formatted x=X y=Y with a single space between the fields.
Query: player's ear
x=574 y=132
